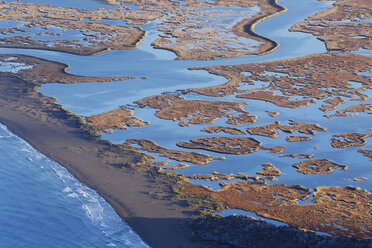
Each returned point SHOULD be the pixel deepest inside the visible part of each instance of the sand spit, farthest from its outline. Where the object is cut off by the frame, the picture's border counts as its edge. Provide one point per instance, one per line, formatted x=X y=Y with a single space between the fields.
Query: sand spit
x=132 y=191
x=360 y=179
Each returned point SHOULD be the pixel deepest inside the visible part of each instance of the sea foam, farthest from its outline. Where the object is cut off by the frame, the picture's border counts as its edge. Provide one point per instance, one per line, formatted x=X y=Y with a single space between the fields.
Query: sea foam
x=95 y=214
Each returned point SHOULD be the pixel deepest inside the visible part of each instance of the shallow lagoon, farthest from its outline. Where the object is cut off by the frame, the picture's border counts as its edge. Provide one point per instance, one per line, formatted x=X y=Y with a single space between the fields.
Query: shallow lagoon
x=168 y=75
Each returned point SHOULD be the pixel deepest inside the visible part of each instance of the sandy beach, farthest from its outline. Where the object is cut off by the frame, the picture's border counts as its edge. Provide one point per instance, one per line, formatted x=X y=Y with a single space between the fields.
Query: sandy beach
x=157 y=221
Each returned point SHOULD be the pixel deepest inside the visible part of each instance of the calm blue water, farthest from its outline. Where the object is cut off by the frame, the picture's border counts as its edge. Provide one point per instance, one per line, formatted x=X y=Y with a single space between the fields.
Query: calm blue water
x=43 y=205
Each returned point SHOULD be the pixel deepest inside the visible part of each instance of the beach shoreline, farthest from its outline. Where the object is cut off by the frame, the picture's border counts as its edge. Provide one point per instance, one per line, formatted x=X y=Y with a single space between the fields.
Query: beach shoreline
x=128 y=190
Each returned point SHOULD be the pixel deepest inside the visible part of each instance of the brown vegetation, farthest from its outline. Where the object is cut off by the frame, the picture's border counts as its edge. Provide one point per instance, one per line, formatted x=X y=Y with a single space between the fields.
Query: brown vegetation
x=95 y=37
x=270 y=170
x=333 y=103
x=301 y=156
x=228 y=145
x=367 y=153
x=297 y=138
x=337 y=211
x=116 y=119
x=215 y=176
x=357 y=179
x=297 y=82
x=177 y=167
x=206 y=30
x=318 y=166
x=230 y=130
x=272 y=113
x=349 y=139
x=350 y=35
x=269 y=96
x=189 y=112
x=274 y=149
x=269 y=130
x=181 y=156
x=364 y=107
x=209 y=29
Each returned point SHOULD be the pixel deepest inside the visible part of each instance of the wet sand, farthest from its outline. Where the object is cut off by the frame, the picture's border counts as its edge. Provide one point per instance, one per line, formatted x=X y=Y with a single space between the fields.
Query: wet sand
x=128 y=190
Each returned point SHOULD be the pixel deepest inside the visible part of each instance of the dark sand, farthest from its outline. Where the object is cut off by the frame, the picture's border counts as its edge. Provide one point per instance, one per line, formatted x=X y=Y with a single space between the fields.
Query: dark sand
x=39 y=121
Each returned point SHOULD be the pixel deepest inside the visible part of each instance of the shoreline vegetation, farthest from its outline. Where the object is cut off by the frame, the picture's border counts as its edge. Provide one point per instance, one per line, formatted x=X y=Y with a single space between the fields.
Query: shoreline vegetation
x=161 y=205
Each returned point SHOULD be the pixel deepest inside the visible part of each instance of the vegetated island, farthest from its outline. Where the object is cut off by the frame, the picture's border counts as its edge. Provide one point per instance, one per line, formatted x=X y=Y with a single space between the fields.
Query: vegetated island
x=209 y=30
x=344 y=27
x=42 y=26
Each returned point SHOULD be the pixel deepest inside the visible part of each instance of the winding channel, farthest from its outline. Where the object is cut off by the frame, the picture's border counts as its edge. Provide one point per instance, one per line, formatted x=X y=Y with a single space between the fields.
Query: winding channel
x=168 y=75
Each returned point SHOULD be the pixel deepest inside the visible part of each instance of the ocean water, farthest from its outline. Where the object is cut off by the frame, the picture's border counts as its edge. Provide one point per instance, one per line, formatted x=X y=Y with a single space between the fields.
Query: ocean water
x=43 y=205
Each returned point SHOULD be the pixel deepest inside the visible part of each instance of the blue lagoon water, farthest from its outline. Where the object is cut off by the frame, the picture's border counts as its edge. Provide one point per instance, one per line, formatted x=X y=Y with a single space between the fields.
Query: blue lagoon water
x=43 y=205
